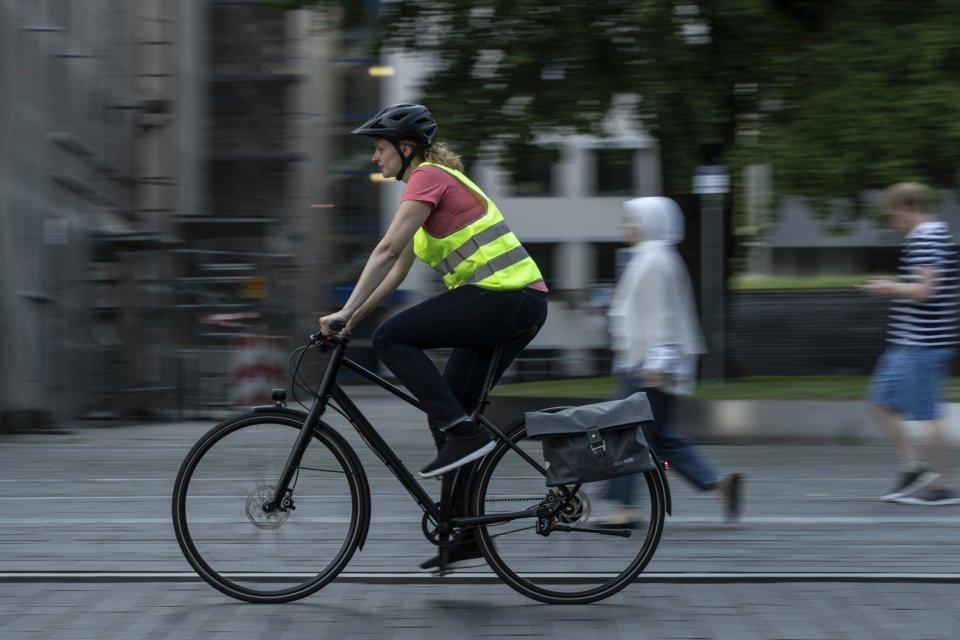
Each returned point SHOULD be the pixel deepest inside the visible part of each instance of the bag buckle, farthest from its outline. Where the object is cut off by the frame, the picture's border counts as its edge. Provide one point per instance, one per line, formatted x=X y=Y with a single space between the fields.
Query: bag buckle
x=595 y=440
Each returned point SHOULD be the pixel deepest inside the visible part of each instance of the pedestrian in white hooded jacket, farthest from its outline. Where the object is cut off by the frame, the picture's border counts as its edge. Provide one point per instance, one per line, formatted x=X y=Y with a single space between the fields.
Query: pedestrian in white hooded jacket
x=656 y=341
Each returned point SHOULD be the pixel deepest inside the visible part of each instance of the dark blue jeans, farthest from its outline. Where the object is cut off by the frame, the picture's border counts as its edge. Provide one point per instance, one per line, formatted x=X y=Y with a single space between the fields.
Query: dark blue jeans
x=684 y=457
x=471 y=321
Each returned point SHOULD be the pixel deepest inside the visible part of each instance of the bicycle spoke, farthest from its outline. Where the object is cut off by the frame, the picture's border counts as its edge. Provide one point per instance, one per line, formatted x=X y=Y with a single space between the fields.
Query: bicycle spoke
x=230 y=529
x=500 y=534
x=564 y=558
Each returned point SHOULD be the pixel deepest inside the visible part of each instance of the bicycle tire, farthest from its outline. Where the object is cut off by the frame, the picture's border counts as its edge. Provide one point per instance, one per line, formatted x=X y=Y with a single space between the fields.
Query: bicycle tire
x=575 y=567
x=262 y=557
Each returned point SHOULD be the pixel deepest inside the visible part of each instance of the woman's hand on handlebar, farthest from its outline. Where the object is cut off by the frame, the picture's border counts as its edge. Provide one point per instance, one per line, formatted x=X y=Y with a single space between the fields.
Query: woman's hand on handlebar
x=333 y=324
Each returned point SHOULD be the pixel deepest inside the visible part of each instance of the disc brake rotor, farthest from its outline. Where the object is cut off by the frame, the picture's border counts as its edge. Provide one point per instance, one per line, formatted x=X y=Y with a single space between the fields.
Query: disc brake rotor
x=255 y=513
x=576 y=509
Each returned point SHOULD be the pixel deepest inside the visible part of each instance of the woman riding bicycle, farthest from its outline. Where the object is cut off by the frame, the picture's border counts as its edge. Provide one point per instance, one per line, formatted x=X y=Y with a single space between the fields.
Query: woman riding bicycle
x=495 y=292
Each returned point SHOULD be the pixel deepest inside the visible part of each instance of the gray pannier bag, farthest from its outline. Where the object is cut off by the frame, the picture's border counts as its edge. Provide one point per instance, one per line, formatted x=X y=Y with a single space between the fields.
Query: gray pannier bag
x=593 y=442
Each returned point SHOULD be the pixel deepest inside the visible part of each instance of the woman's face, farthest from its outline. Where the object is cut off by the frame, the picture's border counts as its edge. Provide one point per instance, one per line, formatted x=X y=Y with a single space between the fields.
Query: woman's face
x=387 y=158
x=631 y=230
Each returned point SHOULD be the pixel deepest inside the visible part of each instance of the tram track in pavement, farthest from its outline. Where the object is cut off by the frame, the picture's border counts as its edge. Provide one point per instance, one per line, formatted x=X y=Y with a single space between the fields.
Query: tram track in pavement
x=477 y=577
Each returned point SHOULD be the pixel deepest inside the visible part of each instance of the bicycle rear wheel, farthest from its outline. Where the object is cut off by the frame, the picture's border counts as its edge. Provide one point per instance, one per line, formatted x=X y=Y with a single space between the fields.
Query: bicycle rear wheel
x=563 y=567
x=260 y=556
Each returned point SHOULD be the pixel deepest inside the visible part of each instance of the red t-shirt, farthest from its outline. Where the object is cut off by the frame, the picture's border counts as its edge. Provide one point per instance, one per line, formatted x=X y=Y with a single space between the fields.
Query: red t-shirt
x=454 y=204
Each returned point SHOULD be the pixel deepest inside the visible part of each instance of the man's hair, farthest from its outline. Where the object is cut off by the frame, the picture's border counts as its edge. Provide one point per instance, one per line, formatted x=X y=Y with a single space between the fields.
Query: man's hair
x=910 y=195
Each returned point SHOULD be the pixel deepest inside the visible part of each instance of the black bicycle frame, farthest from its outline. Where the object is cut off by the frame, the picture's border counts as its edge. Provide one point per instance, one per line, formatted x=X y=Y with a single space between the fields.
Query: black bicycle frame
x=329 y=389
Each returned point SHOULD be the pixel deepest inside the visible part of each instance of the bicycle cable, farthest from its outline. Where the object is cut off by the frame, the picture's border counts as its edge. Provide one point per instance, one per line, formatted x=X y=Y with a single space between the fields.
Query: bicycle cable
x=296 y=377
x=300 y=382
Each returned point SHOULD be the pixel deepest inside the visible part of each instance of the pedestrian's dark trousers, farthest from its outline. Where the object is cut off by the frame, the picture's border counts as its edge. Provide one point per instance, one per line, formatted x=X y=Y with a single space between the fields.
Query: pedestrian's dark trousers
x=684 y=457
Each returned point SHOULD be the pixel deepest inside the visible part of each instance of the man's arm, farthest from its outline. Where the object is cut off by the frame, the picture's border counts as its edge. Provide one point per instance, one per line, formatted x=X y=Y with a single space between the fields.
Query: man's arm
x=921 y=289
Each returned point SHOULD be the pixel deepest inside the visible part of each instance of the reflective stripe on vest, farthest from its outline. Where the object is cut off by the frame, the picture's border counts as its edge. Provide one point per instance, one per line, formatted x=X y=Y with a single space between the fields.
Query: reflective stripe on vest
x=484 y=252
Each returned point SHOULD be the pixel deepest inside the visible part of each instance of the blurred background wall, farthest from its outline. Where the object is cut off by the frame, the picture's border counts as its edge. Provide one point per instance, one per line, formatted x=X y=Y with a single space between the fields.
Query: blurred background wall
x=179 y=200
x=161 y=193
x=85 y=201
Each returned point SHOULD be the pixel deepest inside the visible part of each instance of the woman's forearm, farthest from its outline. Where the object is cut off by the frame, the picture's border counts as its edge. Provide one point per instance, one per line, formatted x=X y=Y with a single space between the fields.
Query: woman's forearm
x=378 y=266
x=389 y=284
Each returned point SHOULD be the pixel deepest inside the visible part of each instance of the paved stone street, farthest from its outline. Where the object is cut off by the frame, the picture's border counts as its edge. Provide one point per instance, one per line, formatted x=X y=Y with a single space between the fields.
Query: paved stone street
x=62 y=611
x=97 y=499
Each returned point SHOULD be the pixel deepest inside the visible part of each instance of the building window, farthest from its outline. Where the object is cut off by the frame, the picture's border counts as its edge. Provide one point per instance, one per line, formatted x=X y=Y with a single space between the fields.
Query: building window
x=615 y=171
x=609 y=261
x=532 y=172
x=542 y=253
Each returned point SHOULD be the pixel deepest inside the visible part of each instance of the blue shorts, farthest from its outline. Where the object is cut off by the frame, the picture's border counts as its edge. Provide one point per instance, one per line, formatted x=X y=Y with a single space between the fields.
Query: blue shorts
x=910 y=380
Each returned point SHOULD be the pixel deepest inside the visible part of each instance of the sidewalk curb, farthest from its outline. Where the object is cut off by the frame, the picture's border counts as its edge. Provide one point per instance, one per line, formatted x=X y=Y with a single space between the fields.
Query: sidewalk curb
x=755 y=421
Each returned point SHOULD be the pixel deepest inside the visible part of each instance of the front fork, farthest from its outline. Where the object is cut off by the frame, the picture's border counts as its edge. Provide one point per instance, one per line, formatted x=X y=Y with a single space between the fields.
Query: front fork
x=284 y=488
x=283 y=493
x=283 y=505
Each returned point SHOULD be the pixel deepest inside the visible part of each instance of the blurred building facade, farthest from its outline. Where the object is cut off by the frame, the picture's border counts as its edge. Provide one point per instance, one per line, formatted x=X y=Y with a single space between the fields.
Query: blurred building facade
x=85 y=201
x=178 y=201
x=253 y=214
x=792 y=240
x=162 y=195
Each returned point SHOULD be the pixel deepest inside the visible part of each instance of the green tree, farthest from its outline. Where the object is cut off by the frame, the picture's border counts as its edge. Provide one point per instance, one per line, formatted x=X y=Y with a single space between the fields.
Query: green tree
x=839 y=97
x=867 y=95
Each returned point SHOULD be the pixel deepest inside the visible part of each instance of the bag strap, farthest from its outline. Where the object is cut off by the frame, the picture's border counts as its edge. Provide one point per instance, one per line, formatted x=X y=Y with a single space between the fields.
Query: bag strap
x=595 y=440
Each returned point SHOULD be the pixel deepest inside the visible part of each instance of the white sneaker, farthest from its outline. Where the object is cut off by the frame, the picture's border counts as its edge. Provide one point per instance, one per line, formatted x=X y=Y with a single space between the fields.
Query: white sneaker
x=621 y=518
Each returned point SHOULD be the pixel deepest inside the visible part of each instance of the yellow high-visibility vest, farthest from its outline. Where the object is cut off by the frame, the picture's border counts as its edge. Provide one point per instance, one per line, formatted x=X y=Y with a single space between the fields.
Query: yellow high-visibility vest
x=485 y=252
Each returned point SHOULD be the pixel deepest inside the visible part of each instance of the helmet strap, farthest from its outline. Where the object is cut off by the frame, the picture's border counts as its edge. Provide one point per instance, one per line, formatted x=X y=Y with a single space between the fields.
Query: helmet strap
x=405 y=160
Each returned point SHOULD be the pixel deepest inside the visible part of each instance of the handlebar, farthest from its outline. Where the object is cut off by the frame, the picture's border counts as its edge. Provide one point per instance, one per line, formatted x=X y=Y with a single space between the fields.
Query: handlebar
x=320 y=340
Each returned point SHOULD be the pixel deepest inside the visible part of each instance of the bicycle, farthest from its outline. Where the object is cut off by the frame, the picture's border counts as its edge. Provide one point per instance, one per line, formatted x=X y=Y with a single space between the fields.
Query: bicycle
x=300 y=504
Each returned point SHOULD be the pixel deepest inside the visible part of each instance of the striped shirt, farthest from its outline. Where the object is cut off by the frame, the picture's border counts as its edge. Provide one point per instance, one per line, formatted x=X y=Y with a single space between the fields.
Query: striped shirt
x=934 y=322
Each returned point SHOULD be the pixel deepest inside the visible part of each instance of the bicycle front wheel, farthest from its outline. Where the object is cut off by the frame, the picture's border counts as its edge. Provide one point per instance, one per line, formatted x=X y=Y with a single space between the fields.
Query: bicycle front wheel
x=260 y=555
x=550 y=563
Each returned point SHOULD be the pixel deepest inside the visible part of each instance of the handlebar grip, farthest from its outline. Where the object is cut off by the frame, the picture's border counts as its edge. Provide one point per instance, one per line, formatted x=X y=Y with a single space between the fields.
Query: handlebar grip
x=318 y=337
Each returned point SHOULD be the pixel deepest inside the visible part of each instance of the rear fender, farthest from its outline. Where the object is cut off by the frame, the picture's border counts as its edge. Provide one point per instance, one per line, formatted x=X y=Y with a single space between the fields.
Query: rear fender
x=662 y=474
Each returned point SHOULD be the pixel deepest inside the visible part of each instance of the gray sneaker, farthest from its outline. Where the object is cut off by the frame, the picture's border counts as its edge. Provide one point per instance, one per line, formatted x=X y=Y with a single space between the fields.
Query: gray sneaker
x=910 y=482
x=463 y=556
x=937 y=496
x=457 y=451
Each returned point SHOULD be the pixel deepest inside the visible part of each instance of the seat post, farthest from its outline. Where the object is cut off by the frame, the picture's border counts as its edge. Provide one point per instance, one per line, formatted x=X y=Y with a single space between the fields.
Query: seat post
x=488 y=382
x=482 y=401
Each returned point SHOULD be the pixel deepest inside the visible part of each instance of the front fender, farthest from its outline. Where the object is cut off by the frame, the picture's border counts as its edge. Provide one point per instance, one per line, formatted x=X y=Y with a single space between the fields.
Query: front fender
x=276 y=408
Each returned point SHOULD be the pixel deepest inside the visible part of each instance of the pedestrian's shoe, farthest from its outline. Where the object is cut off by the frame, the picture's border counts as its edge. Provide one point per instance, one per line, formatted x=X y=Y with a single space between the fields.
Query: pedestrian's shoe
x=910 y=482
x=461 y=556
x=937 y=496
x=729 y=489
x=458 y=450
x=621 y=518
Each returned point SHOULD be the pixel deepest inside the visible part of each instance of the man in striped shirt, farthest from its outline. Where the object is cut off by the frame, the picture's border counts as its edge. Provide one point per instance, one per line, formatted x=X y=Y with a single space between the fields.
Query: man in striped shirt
x=922 y=335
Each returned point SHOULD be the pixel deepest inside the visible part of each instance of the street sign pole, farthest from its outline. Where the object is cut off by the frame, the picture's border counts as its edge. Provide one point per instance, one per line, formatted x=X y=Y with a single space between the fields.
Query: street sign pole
x=712 y=183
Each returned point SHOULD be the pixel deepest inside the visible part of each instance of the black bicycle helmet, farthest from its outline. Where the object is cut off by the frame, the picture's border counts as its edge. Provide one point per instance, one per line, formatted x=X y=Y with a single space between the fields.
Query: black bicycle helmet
x=400 y=122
